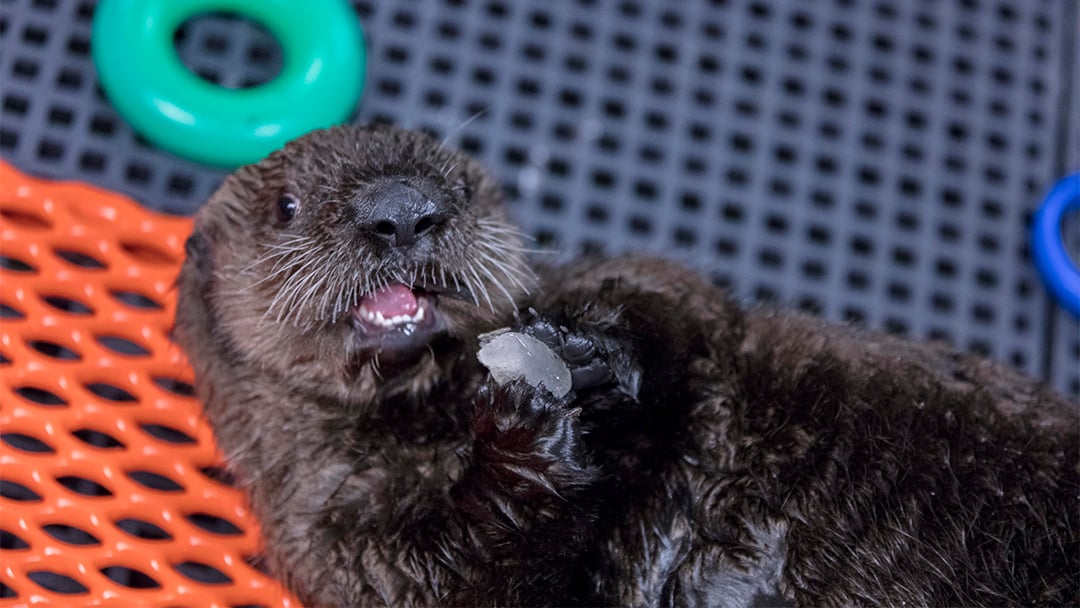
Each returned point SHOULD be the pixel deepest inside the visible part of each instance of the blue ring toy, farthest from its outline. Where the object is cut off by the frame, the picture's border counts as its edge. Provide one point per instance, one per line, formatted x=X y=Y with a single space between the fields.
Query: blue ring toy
x=319 y=85
x=1057 y=268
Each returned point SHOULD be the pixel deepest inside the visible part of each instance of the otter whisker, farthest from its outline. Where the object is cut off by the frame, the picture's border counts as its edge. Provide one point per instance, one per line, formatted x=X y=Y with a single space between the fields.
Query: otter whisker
x=280 y=253
x=489 y=254
x=468 y=286
x=511 y=273
x=494 y=281
x=275 y=303
x=497 y=252
x=424 y=274
x=327 y=291
x=297 y=268
x=295 y=310
x=283 y=259
x=287 y=294
x=301 y=248
x=292 y=268
x=480 y=282
x=446 y=174
x=515 y=248
x=462 y=126
x=491 y=230
x=292 y=241
x=276 y=253
x=502 y=249
x=294 y=265
x=491 y=226
x=335 y=284
x=347 y=294
x=442 y=168
x=457 y=285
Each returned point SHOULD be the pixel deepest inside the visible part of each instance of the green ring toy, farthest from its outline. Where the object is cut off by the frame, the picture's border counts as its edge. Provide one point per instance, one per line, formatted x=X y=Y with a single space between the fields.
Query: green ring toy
x=140 y=71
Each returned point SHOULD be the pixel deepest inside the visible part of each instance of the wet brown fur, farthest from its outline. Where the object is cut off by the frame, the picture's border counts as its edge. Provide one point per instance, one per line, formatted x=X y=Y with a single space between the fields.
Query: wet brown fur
x=727 y=458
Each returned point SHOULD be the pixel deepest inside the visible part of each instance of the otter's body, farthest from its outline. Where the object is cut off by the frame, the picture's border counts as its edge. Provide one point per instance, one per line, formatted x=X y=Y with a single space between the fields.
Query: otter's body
x=707 y=455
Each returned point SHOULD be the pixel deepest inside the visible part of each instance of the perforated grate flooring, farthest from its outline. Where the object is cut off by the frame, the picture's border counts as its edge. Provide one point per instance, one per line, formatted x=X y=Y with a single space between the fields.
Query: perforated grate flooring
x=869 y=160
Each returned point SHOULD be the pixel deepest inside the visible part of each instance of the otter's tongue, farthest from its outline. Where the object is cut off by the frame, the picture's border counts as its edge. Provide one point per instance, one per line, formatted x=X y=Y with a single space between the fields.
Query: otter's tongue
x=392 y=301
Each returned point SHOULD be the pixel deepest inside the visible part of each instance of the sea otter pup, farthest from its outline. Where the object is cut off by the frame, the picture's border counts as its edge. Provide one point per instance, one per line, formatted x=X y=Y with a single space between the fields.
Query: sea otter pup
x=332 y=304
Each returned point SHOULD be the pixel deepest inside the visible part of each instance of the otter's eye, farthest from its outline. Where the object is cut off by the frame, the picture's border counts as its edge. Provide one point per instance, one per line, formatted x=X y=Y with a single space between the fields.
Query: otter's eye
x=287 y=208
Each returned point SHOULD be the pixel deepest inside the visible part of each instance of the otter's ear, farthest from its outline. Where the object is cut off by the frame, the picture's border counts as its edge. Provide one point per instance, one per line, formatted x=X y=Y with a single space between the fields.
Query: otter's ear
x=197 y=271
x=197 y=251
x=193 y=283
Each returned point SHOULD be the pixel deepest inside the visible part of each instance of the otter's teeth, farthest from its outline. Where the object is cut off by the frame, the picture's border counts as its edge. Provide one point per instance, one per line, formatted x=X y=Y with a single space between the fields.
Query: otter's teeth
x=377 y=318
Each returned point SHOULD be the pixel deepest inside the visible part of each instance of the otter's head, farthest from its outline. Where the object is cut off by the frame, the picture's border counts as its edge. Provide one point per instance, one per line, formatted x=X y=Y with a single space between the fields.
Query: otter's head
x=351 y=252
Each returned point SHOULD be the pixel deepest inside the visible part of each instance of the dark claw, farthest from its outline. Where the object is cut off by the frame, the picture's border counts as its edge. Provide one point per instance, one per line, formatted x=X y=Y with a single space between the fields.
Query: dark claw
x=578 y=349
x=545 y=331
x=590 y=376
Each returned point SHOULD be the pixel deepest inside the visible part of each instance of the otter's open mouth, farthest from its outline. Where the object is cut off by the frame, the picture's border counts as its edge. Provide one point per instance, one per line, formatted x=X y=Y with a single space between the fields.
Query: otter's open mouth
x=393 y=307
x=395 y=320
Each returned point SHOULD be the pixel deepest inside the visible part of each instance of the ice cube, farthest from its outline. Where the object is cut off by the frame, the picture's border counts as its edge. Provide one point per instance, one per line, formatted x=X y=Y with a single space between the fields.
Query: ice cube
x=510 y=355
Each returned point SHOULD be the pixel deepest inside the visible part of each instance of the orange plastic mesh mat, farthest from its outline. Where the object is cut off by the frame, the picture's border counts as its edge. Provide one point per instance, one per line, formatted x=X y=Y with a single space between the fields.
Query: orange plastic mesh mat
x=112 y=491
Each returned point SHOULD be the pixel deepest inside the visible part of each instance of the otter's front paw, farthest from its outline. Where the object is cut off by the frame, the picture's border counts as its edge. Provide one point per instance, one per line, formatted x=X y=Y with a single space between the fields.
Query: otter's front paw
x=529 y=438
x=595 y=357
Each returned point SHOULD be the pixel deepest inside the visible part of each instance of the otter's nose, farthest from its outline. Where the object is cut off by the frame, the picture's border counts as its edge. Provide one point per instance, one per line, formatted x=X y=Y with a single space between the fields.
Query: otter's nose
x=403 y=215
